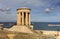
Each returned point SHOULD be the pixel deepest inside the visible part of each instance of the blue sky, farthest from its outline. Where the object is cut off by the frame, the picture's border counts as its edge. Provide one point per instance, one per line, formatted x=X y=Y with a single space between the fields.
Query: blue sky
x=41 y=10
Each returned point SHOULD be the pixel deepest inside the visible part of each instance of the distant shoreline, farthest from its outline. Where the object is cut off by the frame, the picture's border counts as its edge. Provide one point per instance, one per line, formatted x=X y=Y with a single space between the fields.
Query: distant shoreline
x=53 y=24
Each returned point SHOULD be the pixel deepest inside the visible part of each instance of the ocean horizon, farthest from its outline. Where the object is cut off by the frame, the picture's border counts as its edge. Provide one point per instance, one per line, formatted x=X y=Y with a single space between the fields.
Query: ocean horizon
x=37 y=25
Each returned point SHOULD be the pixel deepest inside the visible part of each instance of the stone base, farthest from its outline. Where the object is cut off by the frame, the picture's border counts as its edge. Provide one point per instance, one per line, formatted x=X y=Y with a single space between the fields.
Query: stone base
x=23 y=29
x=58 y=37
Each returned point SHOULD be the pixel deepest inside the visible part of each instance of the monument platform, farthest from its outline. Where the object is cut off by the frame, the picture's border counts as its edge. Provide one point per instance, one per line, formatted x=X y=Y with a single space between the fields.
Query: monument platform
x=23 y=29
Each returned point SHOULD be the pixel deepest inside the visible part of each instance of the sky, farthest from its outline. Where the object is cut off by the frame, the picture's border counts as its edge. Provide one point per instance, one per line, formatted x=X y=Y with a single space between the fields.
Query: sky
x=41 y=10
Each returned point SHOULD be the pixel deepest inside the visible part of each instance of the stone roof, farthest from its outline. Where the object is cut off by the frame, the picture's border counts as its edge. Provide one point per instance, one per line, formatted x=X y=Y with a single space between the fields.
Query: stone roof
x=22 y=8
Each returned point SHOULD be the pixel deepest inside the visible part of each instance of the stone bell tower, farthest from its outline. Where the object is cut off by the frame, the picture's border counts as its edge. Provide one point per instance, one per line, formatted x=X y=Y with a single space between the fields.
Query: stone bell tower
x=23 y=16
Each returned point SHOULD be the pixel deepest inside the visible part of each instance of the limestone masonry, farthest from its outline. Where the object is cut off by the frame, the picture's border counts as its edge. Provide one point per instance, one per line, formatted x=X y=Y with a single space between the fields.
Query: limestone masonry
x=23 y=21
x=23 y=16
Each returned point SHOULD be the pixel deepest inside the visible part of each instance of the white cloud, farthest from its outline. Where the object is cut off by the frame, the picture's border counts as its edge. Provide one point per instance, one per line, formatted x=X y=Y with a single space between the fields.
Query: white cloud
x=34 y=3
x=47 y=10
x=4 y=4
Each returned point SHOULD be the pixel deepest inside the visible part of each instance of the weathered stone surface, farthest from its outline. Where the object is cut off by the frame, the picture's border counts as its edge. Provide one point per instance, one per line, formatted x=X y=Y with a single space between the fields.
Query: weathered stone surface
x=22 y=29
x=23 y=16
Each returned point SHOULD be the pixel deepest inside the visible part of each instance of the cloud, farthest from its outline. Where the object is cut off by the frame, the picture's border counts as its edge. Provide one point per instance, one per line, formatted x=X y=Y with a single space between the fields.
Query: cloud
x=12 y=3
x=52 y=4
x=43 y=17
x=38 y=6
x=47 y=10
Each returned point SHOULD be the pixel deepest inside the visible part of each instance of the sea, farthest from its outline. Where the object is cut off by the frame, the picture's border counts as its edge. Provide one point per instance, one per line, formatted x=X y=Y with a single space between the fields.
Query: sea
x=37 y=25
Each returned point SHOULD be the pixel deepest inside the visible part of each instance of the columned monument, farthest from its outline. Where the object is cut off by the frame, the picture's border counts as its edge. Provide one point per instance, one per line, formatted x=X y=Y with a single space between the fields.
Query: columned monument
x=23 y=21
x=23 y=16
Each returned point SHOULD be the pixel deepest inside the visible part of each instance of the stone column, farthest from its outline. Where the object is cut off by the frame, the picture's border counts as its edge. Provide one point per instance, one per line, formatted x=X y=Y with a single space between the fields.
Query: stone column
x=19 y=18
x=29 y=19
x=22 y=18
x=26 y=19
